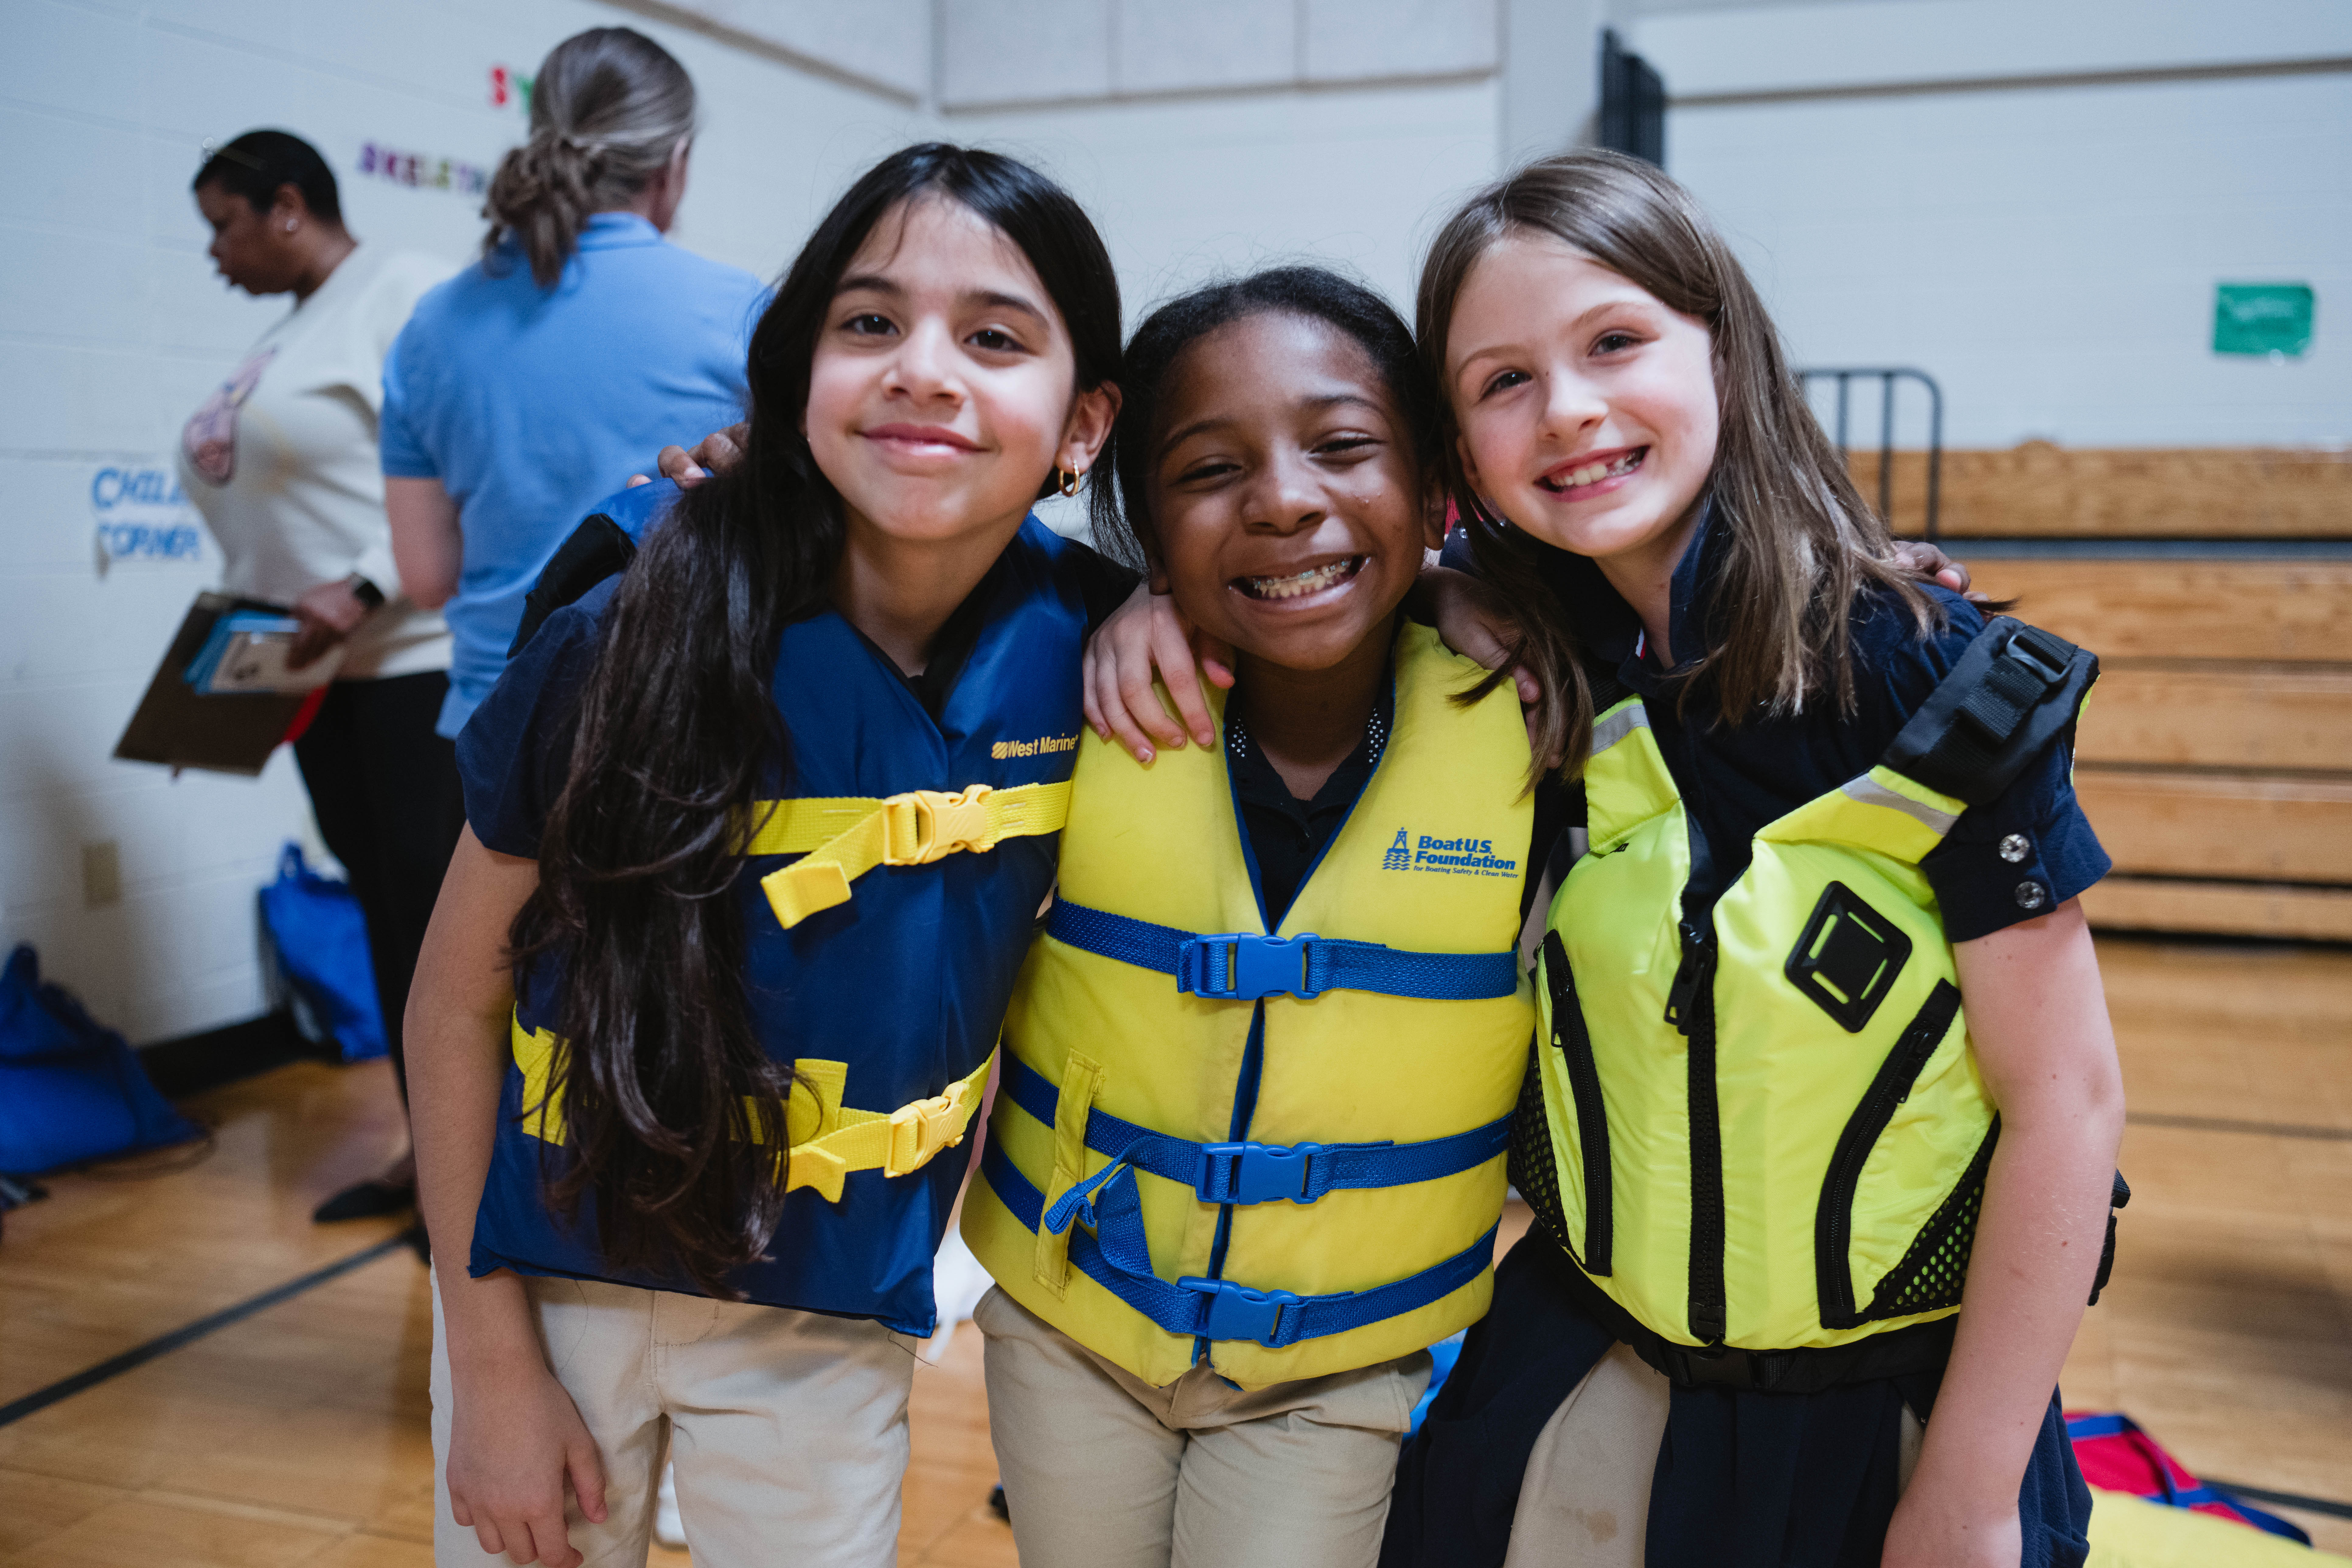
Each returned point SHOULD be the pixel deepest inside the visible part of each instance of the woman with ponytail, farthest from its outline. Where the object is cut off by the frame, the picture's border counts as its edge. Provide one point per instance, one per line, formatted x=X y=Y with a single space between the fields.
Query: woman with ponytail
x=542 y=376
x=757 y=833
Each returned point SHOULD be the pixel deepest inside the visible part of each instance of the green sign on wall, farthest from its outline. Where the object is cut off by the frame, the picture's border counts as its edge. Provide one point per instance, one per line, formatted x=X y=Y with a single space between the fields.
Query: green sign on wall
x=2262 y=318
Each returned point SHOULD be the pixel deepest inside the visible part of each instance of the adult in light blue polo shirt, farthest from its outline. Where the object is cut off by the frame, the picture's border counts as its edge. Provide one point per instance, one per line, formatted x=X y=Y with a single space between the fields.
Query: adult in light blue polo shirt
x=538 y=380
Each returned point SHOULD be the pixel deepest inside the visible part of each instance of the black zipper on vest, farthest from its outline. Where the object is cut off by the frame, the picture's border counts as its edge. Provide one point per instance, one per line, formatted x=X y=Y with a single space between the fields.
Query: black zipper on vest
x=1833 y=1219
x=1574 y=1042
x=1690 y=1007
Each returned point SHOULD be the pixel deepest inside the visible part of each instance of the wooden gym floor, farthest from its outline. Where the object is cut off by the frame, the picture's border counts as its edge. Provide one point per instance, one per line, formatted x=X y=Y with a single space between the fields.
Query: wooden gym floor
x=297 y=1434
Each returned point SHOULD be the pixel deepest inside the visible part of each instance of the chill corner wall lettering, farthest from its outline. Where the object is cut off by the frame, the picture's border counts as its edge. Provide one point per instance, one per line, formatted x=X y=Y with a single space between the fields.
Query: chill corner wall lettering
x=142 y=517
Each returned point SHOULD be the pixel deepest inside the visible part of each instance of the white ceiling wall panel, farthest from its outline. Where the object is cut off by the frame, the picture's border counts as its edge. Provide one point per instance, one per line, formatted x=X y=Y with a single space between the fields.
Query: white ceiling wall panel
x=1023 y=51
x=1352 y=40
x=1206 y=45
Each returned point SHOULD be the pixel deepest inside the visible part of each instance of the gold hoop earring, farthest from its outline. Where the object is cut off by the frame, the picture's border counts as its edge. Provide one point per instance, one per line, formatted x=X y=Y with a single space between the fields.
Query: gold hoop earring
x=1068 y=480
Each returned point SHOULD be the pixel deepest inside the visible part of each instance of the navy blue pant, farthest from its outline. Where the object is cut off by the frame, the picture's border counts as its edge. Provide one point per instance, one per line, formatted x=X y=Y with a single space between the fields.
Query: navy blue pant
x=1748 y=1480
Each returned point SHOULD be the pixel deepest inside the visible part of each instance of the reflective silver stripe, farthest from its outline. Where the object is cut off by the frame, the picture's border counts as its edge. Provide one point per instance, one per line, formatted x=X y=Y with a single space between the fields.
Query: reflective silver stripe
x=1870 y=792
x=1608 y=731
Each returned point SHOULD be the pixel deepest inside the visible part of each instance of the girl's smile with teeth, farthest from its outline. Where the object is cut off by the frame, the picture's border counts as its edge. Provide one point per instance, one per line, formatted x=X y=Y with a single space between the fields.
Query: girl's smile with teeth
x=1585 y=474
x=1298 y=585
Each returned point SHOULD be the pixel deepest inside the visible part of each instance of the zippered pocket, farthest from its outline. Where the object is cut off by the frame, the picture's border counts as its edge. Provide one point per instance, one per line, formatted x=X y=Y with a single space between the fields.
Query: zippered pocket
x=1833 y=1220
x=1571 y=1038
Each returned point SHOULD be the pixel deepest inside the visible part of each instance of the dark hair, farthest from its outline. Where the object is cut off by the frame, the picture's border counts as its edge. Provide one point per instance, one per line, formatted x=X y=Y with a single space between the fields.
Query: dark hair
x=1123 y=524
x=1801 y=543
x=607 y=108
x=664 y=1083
x=255 y=164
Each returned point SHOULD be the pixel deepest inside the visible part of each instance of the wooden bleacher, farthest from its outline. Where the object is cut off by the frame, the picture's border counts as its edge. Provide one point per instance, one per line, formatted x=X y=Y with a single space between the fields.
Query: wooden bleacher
x=2215 y=758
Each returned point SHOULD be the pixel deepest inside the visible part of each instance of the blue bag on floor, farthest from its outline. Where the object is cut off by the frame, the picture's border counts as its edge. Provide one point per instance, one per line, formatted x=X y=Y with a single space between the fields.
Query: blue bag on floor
x=319 y=937
x=71 y=1091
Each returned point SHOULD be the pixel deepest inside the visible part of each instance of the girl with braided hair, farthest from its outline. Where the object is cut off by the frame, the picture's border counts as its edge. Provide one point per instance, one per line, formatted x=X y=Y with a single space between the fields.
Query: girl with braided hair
x=537 y=379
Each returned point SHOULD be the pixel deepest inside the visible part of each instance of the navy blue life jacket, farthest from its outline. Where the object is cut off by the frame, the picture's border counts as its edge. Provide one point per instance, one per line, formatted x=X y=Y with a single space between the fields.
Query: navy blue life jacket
x=907 y=982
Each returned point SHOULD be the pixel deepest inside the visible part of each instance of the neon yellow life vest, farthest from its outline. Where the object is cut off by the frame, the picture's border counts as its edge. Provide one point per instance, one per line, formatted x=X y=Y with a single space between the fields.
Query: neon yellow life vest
x=1257 y=1133
x=1767 y=1122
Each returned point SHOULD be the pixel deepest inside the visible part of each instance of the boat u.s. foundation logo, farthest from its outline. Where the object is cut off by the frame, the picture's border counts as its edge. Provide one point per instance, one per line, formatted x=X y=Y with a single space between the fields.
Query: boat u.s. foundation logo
x=1456 y=856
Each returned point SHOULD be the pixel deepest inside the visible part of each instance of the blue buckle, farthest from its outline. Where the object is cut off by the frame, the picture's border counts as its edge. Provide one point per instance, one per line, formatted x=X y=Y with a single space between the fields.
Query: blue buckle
x=1238 y=1313
x=1257 y=1173
x=1259 y=966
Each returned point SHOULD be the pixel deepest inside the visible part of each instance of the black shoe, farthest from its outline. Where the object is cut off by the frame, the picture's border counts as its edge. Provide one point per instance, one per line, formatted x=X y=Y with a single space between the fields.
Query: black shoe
x=370 y=1199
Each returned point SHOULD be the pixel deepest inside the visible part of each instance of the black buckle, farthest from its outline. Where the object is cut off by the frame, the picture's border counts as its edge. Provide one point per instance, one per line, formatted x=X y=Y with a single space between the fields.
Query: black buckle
x=1714 y=1366
x=2044 y=654
x=1848 y=957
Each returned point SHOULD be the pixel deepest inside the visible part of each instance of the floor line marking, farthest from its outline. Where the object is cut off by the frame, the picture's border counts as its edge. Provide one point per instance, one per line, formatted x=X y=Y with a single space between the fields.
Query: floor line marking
x=139 y=1355
x=2224 y=1124
x=2285 y=1499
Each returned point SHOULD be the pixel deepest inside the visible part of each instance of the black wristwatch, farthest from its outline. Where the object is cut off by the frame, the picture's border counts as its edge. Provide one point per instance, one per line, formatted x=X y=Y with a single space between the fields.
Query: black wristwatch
x=366 y=592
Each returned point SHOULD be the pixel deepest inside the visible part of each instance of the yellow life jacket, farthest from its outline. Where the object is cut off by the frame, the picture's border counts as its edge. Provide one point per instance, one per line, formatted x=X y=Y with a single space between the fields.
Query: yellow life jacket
x=1768 y=1127
x=1286 y=1151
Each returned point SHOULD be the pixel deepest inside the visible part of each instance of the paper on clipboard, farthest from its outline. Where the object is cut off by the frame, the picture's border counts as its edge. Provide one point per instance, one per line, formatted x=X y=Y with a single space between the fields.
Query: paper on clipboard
x=231 y=731
x=248 y=651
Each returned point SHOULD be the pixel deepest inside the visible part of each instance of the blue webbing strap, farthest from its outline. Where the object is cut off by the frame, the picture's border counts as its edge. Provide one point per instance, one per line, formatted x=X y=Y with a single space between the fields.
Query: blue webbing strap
x=1246 y=966
x=1259 y=1173
x=1118 y=1256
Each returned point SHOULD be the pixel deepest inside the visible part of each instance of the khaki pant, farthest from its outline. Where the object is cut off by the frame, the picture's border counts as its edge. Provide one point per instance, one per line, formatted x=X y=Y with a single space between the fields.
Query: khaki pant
x=1585 y=1501
x=789 y=1428
x=1103 y=1470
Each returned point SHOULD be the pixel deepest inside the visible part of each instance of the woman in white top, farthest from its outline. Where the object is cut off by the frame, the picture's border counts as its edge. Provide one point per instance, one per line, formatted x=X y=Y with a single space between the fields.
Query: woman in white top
x=282 y=461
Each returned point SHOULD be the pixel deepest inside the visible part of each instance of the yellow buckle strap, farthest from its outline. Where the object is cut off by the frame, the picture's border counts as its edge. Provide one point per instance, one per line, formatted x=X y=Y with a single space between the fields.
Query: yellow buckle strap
x=829 y=1140
x=896 y=1142
x=844 y=837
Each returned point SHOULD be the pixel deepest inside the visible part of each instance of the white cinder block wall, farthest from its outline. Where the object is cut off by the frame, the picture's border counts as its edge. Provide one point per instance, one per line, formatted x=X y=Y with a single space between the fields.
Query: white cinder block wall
x=1215 y=136
x=2032 y=200
x=112 y=329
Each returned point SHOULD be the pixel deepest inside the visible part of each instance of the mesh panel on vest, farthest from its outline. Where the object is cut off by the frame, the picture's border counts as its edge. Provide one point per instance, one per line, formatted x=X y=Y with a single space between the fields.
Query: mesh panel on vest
x=1932 y=1274
x=1533 y=1168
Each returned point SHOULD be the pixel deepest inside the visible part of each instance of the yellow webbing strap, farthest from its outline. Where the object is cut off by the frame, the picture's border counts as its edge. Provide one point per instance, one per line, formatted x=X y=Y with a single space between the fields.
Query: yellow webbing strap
x=839 y=1138
x=844 y=837
x=894 y=1142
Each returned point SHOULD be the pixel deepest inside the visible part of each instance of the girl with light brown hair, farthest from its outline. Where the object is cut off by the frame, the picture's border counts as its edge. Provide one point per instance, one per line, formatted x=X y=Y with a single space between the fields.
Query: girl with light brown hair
x=1841 y=1264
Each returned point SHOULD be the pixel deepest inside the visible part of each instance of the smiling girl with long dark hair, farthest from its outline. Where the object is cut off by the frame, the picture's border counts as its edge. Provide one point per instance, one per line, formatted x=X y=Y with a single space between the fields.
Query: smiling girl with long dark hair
x=756 y=835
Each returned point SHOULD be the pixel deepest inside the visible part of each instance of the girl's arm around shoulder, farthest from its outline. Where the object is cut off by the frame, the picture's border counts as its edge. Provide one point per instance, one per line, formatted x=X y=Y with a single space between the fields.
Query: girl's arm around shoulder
x=2038 y=1018
x=1149 y=639
x=515 y=1437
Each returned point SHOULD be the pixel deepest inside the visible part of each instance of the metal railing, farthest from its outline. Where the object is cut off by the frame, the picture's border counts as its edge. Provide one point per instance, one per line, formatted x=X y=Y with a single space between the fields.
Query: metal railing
x=1886 y=377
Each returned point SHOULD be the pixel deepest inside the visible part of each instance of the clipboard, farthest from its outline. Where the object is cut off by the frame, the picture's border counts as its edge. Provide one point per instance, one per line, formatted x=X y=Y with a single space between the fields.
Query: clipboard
x=229 y=732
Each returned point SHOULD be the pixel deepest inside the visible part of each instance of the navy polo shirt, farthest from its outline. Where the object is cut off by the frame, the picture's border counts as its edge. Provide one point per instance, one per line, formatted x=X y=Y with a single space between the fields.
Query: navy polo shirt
x=1736 y=778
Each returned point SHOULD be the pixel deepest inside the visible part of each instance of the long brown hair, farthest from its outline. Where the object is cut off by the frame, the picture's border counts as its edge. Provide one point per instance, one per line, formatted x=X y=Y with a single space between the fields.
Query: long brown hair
x=674 y=1112
x=607 y=110
x=1801 y=542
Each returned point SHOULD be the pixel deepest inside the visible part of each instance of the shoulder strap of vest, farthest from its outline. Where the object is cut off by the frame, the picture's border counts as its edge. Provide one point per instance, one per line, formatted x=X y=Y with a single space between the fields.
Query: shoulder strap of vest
x=1607 y=689
x=598 y=549
x=2015 y=689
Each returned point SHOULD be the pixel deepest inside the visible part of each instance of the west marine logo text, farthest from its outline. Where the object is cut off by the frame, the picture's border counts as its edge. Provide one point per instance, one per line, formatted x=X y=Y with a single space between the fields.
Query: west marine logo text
x=1457 y=856
x=1037 y=748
